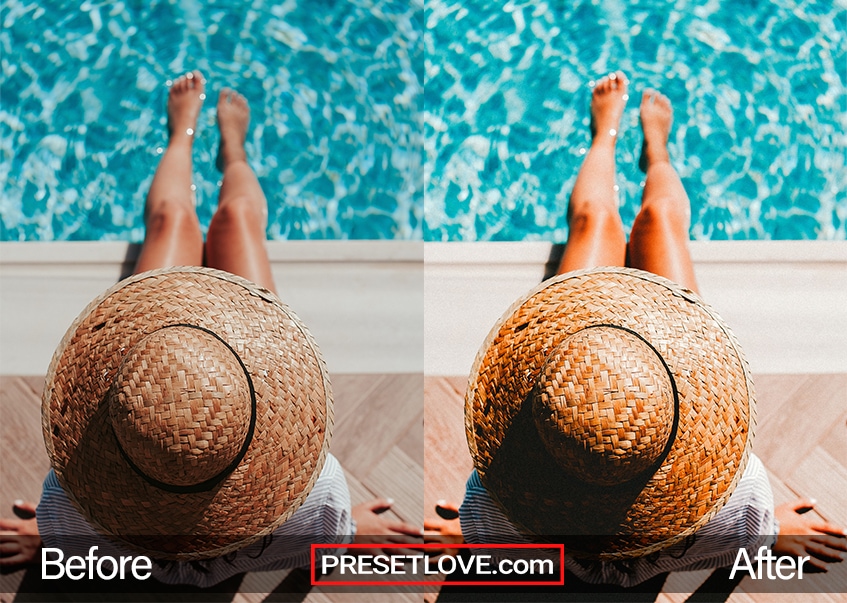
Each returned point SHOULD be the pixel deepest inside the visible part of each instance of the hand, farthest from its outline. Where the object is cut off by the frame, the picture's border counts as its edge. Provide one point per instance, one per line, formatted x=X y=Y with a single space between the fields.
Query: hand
x=445 y=530
x=823 y=542
x=19 y=538
x=371 y=528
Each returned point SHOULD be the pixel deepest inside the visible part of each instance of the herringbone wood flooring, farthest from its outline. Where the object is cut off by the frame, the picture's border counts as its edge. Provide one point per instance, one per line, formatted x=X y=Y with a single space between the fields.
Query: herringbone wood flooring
x=378 y=438
x=801 y=437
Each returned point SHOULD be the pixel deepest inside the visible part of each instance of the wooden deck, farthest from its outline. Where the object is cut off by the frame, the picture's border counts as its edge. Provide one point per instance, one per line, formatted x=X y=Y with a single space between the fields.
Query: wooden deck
x=801 y=437
x=378 y=438
x=385 y=437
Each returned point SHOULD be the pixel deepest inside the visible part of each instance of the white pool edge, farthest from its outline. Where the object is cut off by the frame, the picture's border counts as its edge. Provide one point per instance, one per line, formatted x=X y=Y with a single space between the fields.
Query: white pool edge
x=362 y=300
x=389 y=306
x=786 y=301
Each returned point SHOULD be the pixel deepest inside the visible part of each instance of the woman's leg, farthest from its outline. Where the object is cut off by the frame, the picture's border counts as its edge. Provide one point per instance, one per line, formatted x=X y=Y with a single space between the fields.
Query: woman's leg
x=173 y=236
x=596 y=236
x=659 y=239
x=236 y=238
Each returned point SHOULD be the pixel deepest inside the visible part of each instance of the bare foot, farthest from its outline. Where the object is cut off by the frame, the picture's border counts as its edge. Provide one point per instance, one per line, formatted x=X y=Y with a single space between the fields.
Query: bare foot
x=233 y=119
x=607 y=103
x=656 y=119
x=823 y=542
x=19 y=538
x=184 y=102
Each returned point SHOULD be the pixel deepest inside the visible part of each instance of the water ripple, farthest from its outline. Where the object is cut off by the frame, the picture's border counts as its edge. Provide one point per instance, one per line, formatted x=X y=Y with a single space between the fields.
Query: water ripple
x=758 y=91
x=335 y=90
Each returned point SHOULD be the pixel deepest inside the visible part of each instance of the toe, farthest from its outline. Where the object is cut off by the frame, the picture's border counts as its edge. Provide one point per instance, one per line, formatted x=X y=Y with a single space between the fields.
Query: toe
x=183 y=84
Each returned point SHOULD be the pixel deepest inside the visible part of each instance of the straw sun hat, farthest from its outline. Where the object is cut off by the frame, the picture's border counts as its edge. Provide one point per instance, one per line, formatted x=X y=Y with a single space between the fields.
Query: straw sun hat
x=610 y=408
x=187 y=412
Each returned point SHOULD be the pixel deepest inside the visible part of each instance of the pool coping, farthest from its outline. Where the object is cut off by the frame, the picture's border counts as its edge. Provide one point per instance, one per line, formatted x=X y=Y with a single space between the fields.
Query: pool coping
x=426 y=307
x=786 y=301
x=362 y=300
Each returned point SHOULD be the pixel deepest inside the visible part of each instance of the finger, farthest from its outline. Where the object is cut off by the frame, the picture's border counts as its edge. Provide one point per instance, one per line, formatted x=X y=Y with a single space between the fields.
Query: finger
x=823 y=552
x=834 y=542
x=10 y=547
x=819 y=564
x=24 y=509
x=433 y=525
x=13 y=560
x=405 y=528
x=401 y=539
x=828 y=528
x=10 y=524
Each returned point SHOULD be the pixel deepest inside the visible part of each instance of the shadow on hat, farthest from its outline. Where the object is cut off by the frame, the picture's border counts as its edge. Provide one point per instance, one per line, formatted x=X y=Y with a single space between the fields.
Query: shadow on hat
x=612 y=410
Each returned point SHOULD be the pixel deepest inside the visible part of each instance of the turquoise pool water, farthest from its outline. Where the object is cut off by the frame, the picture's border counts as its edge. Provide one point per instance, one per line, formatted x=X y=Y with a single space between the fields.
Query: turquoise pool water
x=758 y=90
x=335 y=89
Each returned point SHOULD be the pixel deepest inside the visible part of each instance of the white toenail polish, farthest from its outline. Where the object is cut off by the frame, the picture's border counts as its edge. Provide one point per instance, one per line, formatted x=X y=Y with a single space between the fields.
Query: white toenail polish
x=613 y=132
x=194 y=187
x=626 y=97
x=616 y=188
x=190 y=75
x=190 y=131
x=613 y=76
x=202 y=97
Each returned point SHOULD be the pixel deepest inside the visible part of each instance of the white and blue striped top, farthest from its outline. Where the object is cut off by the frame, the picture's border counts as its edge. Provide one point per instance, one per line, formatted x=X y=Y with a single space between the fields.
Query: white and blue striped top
x=323 y=517
x=747 y=520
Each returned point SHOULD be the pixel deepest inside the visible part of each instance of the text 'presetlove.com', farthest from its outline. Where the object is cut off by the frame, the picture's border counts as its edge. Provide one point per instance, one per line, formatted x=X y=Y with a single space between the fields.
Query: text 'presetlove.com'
x=493 y=564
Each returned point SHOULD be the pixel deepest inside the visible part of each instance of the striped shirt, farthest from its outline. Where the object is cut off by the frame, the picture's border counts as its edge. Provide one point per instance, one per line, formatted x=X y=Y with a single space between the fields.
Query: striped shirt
x=747 y=520
x=323 y=517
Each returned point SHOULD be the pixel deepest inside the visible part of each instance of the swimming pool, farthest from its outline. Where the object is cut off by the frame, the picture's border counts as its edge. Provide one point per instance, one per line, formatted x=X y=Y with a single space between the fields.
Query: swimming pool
x=758 y=90
x=335 y=90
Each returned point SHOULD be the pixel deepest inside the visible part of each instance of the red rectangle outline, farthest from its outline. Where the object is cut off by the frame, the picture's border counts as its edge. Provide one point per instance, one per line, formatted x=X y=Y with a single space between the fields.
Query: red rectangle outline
x=314 y=582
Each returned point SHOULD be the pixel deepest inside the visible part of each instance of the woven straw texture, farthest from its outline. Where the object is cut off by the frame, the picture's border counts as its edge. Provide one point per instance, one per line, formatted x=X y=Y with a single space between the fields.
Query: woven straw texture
x=610 y=408
x=190 y=377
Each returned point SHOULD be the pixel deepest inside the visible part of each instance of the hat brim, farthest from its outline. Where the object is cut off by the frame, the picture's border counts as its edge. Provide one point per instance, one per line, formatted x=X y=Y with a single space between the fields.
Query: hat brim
x=715 y=415
x=293 y=417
